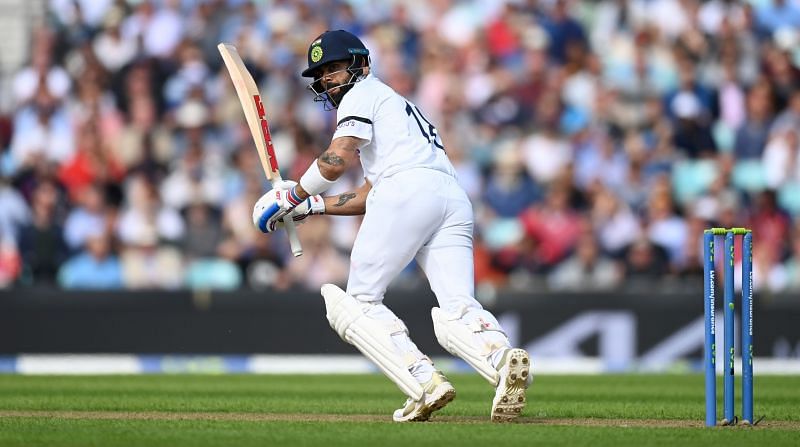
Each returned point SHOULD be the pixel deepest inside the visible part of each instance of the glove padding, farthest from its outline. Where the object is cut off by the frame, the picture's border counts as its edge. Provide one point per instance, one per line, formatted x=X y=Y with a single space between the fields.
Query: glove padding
x=274 y=205
x=268 y=212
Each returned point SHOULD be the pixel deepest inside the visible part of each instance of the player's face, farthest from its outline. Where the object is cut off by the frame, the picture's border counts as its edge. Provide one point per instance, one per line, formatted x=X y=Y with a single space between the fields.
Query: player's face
x=333 y=75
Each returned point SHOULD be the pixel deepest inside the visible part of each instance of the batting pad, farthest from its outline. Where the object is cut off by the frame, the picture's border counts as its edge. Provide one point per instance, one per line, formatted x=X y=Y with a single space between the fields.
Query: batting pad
x=458 y=338
x=372 y=338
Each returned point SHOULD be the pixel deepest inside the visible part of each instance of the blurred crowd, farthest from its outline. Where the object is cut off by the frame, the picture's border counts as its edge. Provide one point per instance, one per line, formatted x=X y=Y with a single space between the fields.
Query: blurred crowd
x=597 y=139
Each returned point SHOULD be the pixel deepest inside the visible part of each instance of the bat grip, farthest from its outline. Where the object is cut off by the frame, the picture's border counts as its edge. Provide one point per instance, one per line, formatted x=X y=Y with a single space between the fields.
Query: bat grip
x=294 y=241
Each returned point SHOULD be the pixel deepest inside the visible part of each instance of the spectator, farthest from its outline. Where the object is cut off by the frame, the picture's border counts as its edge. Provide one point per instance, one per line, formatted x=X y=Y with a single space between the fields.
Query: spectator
x=237 y=213
x=6 y=161
x=781 y=73
x=677 y=102
x=713 y=13
x=671 y=17
x=467 y=171
x=645 y=262
x=782 y=158
x=509 y=190
x=145 y=145
x=324 y=265
x=502 y=39
x=770 y=223
x=10 y=262
x=664 y=227
x=93 y=162
x=532 y=81
x=791 y=268
x=266 y=266
x=546 y=153
x=87 y=12
x=15 y=212
x=587 y=269
x=563 y=31
x=768 y=274
x=95 y=267
x=111 y=49
x=198 y=175
x=731 y=99
x=552 y=227
x=42 y=131
x=635 y=187
x=158 y=28
x=597 y=160
x=146 y=265
x=692 y=134
x=613 y=222
x=203 y=233
x=144 y=220
x=41 y=242
x=88 y=218
x=41 y=74
x=693 y=246
x=193 y=73
x=789 y=118
x=751 y=137
x=773 y=15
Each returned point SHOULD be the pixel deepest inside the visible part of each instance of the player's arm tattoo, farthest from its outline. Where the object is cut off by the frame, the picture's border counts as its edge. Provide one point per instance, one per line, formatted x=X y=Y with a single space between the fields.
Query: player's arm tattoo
x=332 y=159
x=344 y=198
x=342 y=152
x=351 y=203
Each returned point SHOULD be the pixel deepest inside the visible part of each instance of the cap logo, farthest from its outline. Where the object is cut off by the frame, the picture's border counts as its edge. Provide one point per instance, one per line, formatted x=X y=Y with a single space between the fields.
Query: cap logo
x=316 y=53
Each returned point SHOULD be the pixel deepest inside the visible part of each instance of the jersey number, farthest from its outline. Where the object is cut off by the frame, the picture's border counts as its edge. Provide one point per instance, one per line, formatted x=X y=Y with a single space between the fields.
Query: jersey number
x=432 y=135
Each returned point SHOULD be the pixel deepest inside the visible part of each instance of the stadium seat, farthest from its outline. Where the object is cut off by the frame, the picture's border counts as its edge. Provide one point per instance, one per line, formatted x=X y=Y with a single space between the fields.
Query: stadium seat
x=723 y=136
x=213 y=274
x=691 y=178
x=502 y=233
x=789 y=197
x=748 y=175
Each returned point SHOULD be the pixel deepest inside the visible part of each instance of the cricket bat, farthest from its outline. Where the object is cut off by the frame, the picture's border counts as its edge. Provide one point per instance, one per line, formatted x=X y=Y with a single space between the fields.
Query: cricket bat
x=257 y=121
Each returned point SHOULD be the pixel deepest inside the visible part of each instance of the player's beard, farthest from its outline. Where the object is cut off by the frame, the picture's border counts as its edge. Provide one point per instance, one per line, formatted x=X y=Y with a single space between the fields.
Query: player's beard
x=323 y=92
x=336 y=97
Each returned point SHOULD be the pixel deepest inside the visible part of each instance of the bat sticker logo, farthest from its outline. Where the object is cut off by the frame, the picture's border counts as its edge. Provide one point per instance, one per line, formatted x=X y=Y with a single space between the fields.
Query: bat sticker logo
x=273 y=162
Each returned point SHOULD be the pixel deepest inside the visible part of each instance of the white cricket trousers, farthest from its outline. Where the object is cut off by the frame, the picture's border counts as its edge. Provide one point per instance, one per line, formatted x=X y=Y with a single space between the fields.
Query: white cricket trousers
x=420 y=214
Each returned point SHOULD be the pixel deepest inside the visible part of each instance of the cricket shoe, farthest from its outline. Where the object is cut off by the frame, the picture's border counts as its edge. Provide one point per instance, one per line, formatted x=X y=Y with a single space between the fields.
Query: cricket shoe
x=438 y=393
x=515 y=377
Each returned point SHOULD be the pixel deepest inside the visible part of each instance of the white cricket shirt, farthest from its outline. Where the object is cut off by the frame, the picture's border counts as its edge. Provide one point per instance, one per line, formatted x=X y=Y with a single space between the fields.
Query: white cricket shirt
x=398 y=134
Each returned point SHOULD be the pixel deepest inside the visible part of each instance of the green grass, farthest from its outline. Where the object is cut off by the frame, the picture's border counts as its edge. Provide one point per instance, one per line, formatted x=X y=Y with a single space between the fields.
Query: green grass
x=245 y=410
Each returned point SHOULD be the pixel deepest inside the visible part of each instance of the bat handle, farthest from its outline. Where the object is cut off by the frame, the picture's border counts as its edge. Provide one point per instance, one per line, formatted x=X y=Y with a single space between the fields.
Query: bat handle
x=294 y=241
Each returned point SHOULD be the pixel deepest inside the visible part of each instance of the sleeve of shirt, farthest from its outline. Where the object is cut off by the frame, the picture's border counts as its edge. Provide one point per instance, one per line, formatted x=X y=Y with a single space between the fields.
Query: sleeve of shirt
x=354 y=116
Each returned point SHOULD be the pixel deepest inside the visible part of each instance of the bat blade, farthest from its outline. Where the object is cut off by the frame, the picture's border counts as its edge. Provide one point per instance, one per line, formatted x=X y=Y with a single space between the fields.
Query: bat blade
x=253 y=109
x=255 y=115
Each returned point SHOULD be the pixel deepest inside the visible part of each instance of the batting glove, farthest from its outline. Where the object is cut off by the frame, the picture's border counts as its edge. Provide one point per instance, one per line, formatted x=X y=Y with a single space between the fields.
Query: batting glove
x=312 y=206
x=270 y=209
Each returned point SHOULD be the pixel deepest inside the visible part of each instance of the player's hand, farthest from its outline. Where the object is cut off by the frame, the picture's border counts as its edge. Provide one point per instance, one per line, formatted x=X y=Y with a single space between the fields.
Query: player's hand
x=270 y=209
x=312 y=206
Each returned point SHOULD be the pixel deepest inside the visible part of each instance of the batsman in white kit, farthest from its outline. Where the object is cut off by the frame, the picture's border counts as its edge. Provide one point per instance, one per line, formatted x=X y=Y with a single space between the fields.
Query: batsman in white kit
x=413 y=208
